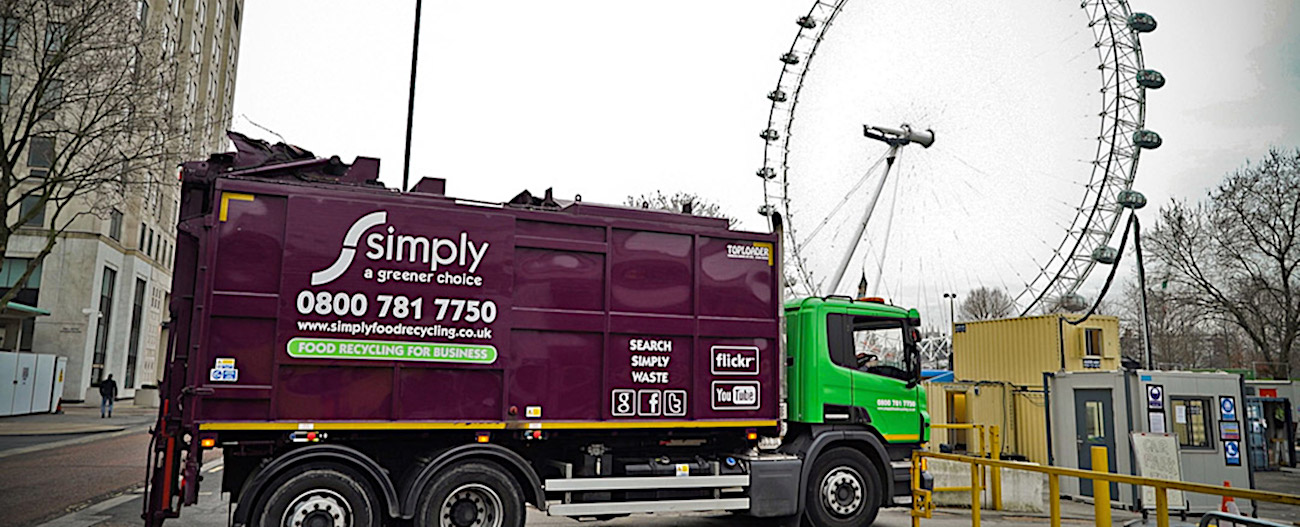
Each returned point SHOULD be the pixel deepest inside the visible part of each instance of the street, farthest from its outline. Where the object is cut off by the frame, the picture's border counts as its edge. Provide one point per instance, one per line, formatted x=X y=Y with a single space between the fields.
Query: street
x=76 y=470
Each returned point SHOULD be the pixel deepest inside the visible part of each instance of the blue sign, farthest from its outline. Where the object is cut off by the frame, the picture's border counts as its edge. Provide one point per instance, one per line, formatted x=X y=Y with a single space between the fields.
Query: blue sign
x=1155 y=397
x=224 y=371
x=1227 y=408
x=1232 y=453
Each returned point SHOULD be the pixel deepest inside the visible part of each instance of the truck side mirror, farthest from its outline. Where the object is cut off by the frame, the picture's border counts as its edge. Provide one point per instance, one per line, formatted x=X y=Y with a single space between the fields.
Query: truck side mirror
x=914 y=357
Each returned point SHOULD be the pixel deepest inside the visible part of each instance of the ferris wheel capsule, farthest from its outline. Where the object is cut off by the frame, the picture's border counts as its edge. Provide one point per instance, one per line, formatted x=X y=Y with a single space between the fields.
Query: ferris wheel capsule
x=790 y=58
x=1105 y=254
x=1074 y=302
x=766 y=173
x=1147 y=139
x=766 y=210
x=770 y=134
x=776 y=96
x=807 y=22
x=1150 y=79
x=1142 y=22
x=1131 y=199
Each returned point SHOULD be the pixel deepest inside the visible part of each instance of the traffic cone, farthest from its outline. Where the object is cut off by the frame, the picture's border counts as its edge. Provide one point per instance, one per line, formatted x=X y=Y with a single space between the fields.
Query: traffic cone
x=58 y=409
x=1229 y=504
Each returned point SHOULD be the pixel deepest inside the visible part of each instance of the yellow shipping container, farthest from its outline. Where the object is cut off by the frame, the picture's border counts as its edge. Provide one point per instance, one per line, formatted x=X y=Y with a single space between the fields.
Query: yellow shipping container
x=1019 y=415
x=1019 y=350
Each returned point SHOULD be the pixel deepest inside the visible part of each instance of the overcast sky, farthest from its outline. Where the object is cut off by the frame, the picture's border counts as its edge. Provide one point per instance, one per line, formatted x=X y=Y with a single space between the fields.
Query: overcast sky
x=608 y=99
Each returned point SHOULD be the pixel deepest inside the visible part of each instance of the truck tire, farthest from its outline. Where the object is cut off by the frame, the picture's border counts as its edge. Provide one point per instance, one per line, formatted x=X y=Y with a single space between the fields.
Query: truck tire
x=843 y=489
x=319 y=495
x=471 y=494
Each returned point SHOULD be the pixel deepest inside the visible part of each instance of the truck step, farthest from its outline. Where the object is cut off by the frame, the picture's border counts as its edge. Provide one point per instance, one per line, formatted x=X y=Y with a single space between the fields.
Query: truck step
x=656 y=482
x=632 y=507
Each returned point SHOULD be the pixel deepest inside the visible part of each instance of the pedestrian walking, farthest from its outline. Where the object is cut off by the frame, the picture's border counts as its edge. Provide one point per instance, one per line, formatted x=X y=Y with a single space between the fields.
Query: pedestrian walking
x=107 y=393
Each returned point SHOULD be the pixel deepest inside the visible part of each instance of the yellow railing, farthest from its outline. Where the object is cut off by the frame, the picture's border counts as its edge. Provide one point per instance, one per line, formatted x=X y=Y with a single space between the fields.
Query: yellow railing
x=923 y=506
x=990 y=441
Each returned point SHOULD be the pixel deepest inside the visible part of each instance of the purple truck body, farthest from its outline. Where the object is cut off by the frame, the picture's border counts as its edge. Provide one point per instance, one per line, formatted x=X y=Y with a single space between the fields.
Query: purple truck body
x=333 y=300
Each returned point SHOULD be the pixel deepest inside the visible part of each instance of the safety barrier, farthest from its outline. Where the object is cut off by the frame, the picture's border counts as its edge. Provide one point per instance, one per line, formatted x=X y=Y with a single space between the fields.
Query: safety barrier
x=923 y=506
x=990 y=441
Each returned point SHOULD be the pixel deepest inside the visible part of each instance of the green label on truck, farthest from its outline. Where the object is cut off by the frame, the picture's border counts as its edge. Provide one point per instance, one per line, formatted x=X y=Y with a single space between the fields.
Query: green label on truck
x=312 y=348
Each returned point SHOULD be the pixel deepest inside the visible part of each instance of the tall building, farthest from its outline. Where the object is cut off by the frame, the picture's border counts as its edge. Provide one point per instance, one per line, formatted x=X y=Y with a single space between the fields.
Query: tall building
x=106 y=284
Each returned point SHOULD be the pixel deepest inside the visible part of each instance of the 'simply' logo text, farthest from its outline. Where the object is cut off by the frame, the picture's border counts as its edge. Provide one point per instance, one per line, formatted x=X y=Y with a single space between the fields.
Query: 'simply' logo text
x=393 y=247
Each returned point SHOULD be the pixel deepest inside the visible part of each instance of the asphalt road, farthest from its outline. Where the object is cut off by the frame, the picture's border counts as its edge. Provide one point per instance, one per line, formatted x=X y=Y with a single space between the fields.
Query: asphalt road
x=211 y=511
x=41 y=485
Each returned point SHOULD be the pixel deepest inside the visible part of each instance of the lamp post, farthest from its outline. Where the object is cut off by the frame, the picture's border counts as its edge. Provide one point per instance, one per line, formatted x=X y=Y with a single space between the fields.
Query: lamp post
x=952 y=311
x=952 y=324
x=410 y=100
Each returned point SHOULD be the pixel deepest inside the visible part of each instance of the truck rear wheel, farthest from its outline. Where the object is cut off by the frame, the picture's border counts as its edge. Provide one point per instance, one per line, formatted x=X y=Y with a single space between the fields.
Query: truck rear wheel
x=843 y=489
x=320 y=495
x=471 y=494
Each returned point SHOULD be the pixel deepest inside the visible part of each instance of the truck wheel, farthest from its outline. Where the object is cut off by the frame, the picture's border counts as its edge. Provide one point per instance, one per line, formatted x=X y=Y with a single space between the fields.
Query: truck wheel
x=320 y=495
x=843 y=489
x=471 y=494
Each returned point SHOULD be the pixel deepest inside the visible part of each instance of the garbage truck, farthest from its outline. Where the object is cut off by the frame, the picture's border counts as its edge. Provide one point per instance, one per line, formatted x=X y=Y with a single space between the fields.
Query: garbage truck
x=364 y=356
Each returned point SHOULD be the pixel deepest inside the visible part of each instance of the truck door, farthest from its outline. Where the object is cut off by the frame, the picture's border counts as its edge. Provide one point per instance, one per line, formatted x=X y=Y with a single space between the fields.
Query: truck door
x=874 y=353
x=837 y=382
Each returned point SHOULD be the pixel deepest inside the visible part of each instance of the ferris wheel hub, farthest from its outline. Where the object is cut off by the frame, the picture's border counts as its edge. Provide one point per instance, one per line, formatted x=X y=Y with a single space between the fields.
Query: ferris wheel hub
x=899 y=136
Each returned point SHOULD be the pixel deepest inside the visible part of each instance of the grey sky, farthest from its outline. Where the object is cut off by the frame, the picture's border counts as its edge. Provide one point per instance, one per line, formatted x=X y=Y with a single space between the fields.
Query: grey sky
x=608 y=99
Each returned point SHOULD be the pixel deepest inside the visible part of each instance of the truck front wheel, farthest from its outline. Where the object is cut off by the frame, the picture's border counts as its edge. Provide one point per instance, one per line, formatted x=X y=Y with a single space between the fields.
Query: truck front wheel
x=471 y=494
x=843 y=489
x=320 y=495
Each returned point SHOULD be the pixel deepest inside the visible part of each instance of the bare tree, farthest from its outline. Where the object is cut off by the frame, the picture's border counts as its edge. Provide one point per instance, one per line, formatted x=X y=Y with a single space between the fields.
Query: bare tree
x=1180 y=336
x=1235 y=257
x=986 y=303
x=681 y=202
x=84 y=119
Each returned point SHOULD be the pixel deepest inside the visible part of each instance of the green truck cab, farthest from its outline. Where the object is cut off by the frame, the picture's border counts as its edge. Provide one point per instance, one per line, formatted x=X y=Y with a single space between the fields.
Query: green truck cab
x=855 y=406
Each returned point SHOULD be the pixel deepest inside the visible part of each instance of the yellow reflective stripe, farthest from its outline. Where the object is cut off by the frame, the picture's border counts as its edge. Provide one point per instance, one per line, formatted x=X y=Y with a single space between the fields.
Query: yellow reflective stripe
x=902 y=437
x=225 y=201
x=379 y=425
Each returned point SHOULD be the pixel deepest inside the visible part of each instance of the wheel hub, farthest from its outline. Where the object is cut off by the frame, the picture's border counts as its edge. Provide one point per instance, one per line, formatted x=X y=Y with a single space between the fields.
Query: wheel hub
x=317 y=508
x=472 y=505
x=842 y=491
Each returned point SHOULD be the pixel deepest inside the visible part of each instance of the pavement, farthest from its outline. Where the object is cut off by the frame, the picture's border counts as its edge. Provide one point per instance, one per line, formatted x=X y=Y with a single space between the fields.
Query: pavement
x=79 y=423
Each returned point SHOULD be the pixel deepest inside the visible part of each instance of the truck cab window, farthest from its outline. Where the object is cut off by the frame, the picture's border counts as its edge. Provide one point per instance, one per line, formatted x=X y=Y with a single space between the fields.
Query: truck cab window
x=868 y=344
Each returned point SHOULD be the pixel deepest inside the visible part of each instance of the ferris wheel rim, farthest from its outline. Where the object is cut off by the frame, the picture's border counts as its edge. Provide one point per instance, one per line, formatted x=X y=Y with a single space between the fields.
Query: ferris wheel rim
x=1113 y=170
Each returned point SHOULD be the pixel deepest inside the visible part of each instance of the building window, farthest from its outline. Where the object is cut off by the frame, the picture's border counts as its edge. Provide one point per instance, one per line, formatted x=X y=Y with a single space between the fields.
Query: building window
x=142 y=12
x=40 y=153
x=50 y=99
x=10 y=36
x=137 y=316
x=98 y=364
x=140 y=246
x=28 y=293
x=1092 y=342
x=55 y=35
x=5 y=81
x=1192 y=421
x=149 y=242
x=115 y=225
x=32 y=205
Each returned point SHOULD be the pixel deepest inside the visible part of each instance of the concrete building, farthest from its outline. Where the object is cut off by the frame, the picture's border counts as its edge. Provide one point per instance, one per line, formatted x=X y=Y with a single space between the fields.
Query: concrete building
x=106 y=284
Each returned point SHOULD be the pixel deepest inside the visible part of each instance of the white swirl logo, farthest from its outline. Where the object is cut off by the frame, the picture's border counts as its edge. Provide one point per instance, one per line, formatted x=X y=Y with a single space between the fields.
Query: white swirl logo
x=349 y=250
